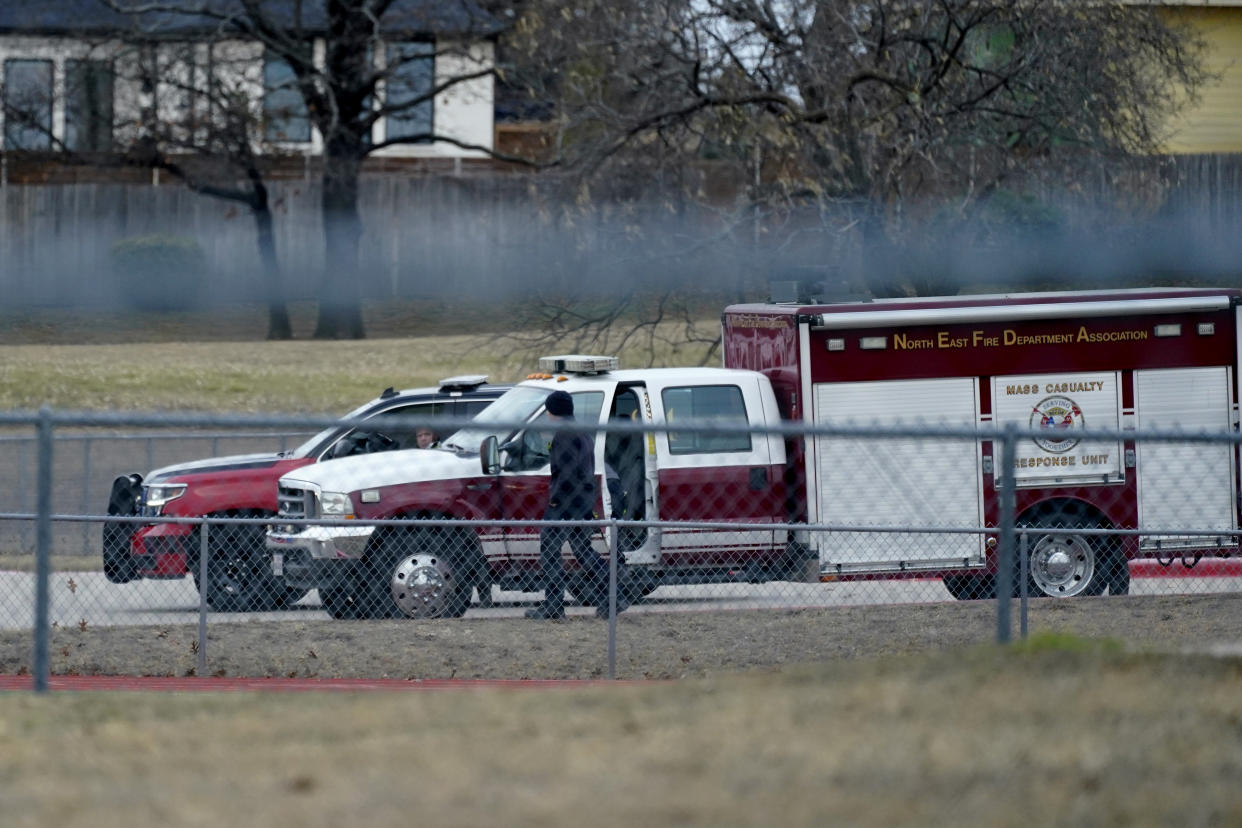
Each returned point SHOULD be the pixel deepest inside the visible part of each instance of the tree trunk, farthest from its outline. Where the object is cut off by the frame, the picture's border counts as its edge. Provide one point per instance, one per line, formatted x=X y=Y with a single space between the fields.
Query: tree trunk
x=340 y=304
x=278 y=326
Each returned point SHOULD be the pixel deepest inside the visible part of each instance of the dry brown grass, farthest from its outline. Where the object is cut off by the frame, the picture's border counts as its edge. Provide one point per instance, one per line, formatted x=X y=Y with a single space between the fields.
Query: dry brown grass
x=976 y=737
x=301 y=376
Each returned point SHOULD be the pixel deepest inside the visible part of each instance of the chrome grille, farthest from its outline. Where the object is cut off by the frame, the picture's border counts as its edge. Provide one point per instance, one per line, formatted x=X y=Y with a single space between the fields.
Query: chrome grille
x=295 y=503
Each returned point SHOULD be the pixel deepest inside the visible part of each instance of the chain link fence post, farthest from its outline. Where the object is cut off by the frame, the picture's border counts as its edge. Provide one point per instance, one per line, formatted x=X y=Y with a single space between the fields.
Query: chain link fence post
x=612 y=598
x=23 y=487
x=43 y=552
x=86 y=504
x=1024 y=591
x=203 y=563
x=1005 y=556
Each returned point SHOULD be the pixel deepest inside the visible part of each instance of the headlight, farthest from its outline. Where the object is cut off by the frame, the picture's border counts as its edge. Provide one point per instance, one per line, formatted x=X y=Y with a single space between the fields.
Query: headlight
x=335 y=504
x=155 y=498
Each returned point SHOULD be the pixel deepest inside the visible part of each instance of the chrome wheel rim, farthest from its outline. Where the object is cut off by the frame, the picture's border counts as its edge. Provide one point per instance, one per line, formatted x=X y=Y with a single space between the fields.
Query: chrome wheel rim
x=1062 y=565
x=421 y=586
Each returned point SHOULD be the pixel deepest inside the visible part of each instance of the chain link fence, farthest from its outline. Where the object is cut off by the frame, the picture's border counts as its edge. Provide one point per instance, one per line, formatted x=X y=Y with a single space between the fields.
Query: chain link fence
x=686 y=520
x=86 y=463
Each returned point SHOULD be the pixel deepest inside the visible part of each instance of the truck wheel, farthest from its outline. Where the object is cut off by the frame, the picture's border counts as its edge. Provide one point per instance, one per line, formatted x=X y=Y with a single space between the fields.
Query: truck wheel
x=239 y=573
x=974 y=587
x=429 y=573
x=1063 y=566
x=118 y=563
x=1066 y=566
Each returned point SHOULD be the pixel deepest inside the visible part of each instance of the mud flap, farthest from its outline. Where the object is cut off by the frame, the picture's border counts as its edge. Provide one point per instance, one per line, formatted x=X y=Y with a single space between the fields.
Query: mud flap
x=118 y=564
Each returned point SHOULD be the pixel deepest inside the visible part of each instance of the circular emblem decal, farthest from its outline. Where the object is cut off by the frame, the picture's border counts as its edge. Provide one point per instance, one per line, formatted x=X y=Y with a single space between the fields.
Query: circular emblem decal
x=1058 y=417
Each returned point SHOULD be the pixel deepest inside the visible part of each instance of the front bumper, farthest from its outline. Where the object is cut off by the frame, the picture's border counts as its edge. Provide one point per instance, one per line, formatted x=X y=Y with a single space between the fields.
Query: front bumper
x=161 y=550
x=320 y=555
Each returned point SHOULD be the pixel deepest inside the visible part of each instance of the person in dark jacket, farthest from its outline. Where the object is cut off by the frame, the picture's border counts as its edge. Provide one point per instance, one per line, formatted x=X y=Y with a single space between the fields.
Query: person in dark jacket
x=571 y=496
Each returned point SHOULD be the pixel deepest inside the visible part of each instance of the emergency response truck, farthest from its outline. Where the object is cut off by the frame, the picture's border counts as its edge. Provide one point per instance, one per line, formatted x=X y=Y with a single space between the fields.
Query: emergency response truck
x=1054 y=363
x=1057 y=364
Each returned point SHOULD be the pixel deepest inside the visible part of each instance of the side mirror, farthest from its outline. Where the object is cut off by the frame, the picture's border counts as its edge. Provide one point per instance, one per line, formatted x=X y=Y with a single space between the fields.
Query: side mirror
x=489 y=456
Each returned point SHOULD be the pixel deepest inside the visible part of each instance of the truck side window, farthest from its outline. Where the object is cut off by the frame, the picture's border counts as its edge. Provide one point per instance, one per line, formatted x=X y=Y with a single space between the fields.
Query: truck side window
x=705 y=404
x=530 y=450
x=381 y=433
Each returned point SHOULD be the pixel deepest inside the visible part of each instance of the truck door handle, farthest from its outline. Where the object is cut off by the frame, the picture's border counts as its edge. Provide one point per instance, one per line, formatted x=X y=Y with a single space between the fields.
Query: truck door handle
x=758 y=479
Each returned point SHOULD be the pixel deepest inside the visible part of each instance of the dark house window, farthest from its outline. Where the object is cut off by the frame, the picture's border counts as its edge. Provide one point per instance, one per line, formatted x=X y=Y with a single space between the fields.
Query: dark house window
x=28 y=104
x=285 y=117
x=88 y=106
x=411 y=75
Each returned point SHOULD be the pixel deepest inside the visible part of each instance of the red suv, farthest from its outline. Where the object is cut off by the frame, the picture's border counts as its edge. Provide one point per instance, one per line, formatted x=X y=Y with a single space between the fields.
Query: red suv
x=239 y=576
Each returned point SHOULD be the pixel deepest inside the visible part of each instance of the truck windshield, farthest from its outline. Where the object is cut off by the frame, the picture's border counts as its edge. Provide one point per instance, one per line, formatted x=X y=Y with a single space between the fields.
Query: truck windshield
x=514 y=406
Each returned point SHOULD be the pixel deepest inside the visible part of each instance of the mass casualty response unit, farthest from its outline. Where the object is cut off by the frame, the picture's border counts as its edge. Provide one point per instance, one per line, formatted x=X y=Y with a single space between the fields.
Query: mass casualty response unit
x=1061 y=365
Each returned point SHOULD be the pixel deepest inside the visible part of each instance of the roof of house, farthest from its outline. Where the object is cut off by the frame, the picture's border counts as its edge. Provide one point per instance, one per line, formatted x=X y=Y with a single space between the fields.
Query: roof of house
x=75 y=17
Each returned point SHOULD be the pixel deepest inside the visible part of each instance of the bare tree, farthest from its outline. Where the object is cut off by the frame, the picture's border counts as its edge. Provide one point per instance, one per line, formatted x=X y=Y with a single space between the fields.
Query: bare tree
x=344 y=66
x=868 y=115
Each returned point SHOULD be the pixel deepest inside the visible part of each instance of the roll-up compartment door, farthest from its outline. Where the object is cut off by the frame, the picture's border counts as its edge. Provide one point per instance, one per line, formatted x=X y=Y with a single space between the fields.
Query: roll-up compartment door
x=1184 y=485
x=897 y=483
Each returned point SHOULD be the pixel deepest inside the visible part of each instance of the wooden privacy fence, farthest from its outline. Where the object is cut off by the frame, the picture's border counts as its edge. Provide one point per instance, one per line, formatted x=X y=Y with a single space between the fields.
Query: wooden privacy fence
x=433 y=236
x=437 y=235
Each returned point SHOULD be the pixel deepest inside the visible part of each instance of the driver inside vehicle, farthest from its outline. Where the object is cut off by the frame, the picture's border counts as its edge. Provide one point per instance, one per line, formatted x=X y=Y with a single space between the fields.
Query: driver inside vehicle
x=426 y=438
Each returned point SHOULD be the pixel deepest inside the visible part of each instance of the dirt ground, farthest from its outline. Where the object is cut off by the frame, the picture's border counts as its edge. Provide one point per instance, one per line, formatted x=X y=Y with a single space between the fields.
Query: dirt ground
x=648 y=645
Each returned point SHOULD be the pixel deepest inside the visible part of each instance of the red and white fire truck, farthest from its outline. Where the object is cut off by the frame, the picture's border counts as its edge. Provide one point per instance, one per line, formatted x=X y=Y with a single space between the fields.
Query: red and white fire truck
x=1060 y=365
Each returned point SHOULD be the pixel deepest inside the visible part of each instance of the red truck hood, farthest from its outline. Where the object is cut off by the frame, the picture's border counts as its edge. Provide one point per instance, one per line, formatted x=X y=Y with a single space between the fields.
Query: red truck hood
x=212 y=465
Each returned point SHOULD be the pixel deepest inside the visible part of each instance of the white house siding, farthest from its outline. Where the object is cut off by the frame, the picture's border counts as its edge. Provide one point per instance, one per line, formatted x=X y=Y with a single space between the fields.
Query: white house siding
x=463 y=112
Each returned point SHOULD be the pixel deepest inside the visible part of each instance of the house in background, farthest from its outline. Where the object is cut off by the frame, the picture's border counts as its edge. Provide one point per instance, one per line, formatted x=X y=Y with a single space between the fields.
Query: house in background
x=81 y=76
x=1214 y=124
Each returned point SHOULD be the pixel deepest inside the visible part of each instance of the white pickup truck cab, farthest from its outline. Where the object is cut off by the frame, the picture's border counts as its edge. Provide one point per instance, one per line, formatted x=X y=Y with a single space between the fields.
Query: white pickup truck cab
x=496 y=469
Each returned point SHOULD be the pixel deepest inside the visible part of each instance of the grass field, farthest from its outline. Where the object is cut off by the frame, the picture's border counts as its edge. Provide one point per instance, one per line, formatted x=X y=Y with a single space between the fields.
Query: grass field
x=135 y=368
